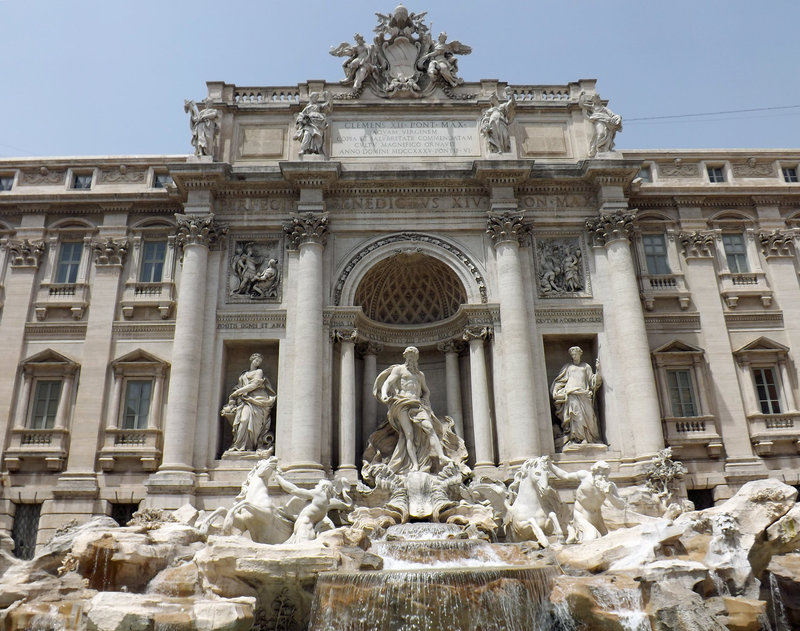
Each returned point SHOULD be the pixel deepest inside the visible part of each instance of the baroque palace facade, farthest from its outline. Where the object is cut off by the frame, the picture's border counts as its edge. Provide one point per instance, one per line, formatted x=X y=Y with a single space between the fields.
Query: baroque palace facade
x=327 y=226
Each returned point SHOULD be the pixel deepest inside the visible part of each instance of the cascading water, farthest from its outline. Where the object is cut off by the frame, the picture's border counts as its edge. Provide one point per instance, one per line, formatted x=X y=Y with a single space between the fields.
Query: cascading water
x=777 y=618
x=432 y=584
x=626 y=605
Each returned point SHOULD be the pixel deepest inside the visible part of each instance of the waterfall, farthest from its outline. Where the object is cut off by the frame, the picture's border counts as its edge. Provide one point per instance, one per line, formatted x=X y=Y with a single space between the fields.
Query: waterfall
x=476 y=599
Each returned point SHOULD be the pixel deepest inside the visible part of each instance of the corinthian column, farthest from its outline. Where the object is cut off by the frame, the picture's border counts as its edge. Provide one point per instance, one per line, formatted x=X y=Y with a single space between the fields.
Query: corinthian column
x=307 y=233
x=196 y=234
x=521 y=432
x=451 y=349
x=347 y=403
x=628 y=338
x=479 y=384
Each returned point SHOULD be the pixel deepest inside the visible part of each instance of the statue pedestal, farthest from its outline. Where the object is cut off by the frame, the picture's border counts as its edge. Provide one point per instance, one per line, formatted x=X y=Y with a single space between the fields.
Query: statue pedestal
x=200 y=159
x=248 y=456
x=583 y=456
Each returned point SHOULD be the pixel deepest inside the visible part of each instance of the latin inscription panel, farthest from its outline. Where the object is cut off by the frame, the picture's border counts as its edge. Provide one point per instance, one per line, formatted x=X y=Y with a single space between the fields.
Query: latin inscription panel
x=404 y=138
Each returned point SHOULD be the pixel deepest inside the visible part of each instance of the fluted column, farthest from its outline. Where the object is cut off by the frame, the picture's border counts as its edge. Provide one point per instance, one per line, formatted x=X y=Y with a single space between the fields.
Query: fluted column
x=479 y=385
x=347 y=403
x=307 y=233
x=369 y=404
x=506 y=230
x=196 y=234
x=626 y=319
x=451 y=349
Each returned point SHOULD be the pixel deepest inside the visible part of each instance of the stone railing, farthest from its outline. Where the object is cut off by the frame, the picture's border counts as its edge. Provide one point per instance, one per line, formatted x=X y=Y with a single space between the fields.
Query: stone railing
x=159 y=296
x=268 y=96
x=72 y=296
x=658 y=286
x=549 y=93
x=129 y=445
x=683 y=433
x=37 y=447
x=768 y=431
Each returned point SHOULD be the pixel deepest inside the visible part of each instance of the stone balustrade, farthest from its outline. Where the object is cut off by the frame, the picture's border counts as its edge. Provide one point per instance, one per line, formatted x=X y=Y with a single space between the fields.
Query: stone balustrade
x=32 y=445
x=771 y=431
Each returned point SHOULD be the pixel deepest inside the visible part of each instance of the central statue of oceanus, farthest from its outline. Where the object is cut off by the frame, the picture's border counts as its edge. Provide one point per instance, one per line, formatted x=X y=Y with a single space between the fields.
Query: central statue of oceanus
x=412 y=438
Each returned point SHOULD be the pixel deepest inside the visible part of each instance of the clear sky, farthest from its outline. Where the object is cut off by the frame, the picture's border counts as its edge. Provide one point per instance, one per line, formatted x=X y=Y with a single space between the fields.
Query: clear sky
x=108 y=77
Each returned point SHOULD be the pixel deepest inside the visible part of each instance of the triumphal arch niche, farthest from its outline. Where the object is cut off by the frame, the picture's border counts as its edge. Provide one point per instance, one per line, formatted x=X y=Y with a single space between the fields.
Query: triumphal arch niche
x=405 y=206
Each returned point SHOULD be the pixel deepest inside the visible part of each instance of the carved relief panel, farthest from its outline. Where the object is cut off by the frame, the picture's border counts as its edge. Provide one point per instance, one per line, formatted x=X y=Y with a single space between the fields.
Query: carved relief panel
x=561 y=267
x=255 y=267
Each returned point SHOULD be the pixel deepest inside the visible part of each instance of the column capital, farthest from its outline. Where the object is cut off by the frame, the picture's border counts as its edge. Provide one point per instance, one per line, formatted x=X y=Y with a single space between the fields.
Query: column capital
x=25 y=253
x=505 y=227
x=450 y=346
x=476 y=332
x=608 y=227
x=198 y=230
x=307 y=228
x=698 y=244
x=110 y=252
x=370 y=348
x=344 y=335
x=777 y=243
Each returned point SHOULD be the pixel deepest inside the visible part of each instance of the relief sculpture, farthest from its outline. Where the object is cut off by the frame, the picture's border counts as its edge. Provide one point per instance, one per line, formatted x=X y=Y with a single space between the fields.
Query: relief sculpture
x=560 y=269
x=254 y=271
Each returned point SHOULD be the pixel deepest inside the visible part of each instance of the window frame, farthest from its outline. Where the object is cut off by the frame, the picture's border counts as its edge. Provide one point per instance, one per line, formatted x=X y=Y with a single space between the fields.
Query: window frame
x=665 y=255
x=144 y=261
x=787 y=177
x=79 y=176
x=731 y=256
x=10 y=177
x=718 y=170
x=47 y=422
x=773 y=404
x=688 y=387
x=123 y=412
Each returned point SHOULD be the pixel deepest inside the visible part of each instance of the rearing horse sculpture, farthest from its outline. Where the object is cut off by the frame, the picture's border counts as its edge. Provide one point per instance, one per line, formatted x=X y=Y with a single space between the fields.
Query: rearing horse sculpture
x=253 y=509
x=532 y=512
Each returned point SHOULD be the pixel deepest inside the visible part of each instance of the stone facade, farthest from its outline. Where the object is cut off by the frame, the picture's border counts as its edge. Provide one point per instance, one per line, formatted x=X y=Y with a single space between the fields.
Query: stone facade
x=134 y=290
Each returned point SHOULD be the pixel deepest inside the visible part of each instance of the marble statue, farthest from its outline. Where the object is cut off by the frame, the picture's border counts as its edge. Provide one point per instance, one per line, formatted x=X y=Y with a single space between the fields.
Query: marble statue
x=594 y=488
x=606 y=123
x=442 y=61
x=573 y=392
x=249 y=408
x=254 y=277
x=560 y=268
x=495 y=121
x=313 y=518
x=533 y=510
x=311 y=123
x=412 y=438
x=360 y=62
x=253 y=510
x=204 y=126
x=403 y=61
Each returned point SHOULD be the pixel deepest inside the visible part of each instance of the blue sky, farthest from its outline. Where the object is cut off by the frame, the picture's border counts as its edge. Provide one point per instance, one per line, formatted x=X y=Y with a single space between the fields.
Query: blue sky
x=92 y=77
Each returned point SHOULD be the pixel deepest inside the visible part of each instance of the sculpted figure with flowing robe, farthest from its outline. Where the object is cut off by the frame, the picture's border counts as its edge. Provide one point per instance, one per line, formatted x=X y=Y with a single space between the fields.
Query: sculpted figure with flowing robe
x=248 y=409
x=573 y=392
x=412 y=438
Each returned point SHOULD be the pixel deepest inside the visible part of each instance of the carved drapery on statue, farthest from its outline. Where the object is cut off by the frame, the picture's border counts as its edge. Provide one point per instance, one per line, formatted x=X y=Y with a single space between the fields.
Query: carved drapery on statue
x=255 y=271
x=249 y=408
x=560 y=267
x=403 y=61
x=495 y=121
x=311 y=123
x=605 y=124
x=204 y=126
x=573 y=391
x=412 y=438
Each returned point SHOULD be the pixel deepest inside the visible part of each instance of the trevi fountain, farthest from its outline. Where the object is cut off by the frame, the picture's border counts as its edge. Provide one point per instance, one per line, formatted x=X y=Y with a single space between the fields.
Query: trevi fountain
x=417 y=540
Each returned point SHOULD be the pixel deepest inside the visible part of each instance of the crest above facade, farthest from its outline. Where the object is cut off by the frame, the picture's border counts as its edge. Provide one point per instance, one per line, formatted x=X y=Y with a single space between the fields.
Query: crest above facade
x=404 y=61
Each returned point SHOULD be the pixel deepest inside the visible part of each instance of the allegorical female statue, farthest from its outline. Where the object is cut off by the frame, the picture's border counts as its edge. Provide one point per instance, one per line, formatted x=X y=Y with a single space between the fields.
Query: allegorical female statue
x=311 y=123
x=573 y=393
x=204 y=126
x=249 y=408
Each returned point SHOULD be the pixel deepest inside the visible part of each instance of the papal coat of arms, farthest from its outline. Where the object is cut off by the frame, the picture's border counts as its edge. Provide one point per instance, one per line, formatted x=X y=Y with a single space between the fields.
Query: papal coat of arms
x=403 y=61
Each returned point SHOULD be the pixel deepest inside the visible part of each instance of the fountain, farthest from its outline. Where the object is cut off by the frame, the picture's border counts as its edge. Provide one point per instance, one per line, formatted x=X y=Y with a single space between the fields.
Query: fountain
x=420 y=545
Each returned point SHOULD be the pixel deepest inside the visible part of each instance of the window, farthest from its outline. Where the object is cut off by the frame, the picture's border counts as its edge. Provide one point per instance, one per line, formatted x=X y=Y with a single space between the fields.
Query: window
x=715 y=174
x=767 y=390
x=154 y=254
x=137 y=404
x=789 y=174
x=7 y=182
x=25 y=529
x=735 y=253
x=162 y=180
x=645 y=174
x=69 y=260
x=655 y=253
x=45 y=404
x=681 y=393
x=82 y=181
